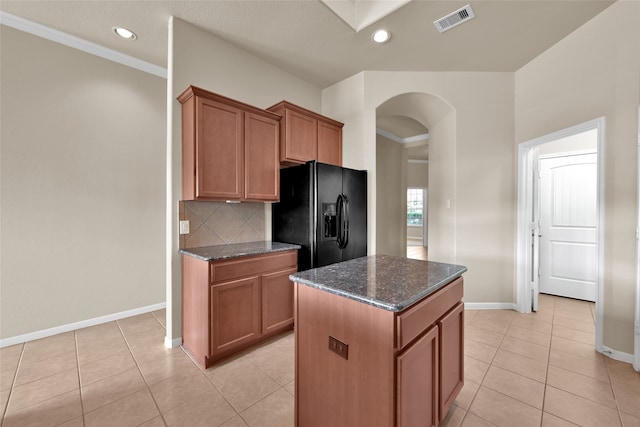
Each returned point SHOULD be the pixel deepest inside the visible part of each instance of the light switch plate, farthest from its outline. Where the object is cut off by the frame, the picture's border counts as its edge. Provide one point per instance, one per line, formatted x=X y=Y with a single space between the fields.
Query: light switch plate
x=184 y=227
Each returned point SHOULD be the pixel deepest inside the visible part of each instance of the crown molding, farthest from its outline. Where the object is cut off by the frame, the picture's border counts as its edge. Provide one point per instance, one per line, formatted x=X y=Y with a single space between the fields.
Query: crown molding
x=57 y=36
x=407 y=140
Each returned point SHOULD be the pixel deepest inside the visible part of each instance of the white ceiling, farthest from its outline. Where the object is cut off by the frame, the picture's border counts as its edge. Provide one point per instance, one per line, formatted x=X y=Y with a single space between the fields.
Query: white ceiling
x=306 y=38
x=326 y=41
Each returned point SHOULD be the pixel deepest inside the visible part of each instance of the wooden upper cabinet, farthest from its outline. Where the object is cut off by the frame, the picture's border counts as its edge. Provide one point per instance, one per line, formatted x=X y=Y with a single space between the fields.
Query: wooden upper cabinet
x=329 y=143
x=261 y=158
x=300 y=137
x=305 y=136
x=218 y=154
x=230 y=150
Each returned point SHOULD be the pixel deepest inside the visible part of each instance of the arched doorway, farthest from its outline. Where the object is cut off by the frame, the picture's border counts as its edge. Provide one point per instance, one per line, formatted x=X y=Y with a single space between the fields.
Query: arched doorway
x=406 y=126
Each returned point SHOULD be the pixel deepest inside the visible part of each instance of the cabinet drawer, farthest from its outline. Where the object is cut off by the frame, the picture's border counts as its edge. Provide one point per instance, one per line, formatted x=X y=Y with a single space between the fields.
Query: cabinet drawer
x=413 y=321
x=248 y=266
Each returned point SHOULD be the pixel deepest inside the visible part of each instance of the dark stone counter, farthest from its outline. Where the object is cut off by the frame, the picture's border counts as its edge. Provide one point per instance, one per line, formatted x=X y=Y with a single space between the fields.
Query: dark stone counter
x=388 y=282
x=218 y=252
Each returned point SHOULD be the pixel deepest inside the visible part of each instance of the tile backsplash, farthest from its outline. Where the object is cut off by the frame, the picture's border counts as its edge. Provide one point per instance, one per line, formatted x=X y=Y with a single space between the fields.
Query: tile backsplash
x=219 y=223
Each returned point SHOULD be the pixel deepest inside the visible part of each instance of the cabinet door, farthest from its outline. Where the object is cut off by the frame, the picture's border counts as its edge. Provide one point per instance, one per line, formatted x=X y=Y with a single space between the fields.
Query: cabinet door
x=262 y=158
x=219 y=151
x=301 y=138
x=451 y=328
x=235 y=314
x=418 y=382
x=277 y=301
x=329 y=144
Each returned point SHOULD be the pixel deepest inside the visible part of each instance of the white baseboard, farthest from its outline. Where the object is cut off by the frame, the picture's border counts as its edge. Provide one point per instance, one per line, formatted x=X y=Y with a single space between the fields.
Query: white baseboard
x=171 y=343
x=617 y=355
x=490 y=306
x=19 y=339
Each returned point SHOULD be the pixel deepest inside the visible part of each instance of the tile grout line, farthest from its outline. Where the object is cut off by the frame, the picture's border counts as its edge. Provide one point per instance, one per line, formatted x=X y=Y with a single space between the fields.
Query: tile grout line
x=613 y=391
x=148 y=387
x=546 y=381
x=219 y=391
x=13 y=386
x=280 y=387
x=239 y=413
x=75 y=342
x=546 y=375
x=587 y=376
x=200 y=370
x=13 y=381
x=485 y=375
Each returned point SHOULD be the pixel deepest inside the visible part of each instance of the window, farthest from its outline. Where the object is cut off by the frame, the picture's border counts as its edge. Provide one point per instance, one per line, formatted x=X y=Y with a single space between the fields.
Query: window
x=415 y=206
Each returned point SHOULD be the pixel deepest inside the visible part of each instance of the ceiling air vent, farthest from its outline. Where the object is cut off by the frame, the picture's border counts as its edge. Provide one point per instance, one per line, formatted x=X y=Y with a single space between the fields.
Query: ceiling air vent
x=453 y=19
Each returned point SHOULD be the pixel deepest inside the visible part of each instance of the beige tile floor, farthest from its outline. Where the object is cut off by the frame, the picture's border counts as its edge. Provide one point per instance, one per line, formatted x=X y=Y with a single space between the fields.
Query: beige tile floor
x=535 y=369
x=417 y=252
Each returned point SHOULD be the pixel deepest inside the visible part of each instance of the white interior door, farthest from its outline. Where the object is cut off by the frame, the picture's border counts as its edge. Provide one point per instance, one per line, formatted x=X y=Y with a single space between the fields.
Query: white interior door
x=568 y=226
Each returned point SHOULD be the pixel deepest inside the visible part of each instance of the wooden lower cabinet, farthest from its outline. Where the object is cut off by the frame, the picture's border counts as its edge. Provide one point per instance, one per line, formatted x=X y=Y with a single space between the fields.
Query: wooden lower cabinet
x=235 y=314
x=401 y=369
x=230 y=305
x=277 y=301
x=417 y=371
x=451 y=348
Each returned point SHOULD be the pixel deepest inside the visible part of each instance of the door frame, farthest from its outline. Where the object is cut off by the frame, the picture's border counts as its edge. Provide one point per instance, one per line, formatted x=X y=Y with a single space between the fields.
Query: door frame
x=527 y=154
x=425 y=216
x=636 y=337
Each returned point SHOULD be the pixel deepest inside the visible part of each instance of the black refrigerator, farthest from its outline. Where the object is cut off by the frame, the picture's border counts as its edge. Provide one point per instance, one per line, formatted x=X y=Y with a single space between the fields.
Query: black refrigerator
x=322 y=208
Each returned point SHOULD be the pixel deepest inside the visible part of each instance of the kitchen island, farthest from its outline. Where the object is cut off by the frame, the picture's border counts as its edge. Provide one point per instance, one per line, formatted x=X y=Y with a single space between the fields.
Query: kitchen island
x=379 y=342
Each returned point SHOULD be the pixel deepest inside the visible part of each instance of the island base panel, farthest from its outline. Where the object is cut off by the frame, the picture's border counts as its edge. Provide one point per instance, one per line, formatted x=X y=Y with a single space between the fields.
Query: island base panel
x=334 y=391
x=361 y=365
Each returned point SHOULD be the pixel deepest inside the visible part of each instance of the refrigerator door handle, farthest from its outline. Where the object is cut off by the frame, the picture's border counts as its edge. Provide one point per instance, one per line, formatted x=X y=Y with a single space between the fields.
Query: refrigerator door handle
x=339 y=204
x=342 y=208
x=345 y=218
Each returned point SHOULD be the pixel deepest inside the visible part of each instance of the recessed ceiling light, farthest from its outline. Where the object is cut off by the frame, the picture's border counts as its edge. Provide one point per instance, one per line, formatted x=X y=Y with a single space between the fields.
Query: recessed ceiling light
x=381 y=36
x=125 y=33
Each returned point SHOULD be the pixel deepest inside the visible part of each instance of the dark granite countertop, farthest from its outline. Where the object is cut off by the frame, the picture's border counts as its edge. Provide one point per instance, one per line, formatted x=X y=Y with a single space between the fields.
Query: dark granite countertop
x=217 y=252
x=388 y=282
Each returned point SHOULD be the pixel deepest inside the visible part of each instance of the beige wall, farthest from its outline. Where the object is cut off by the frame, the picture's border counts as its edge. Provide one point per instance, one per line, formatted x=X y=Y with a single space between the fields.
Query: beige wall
x=391 y=220
x=417 y=175
x=471 y=164
x=594 y=72
x=414 y=233
x=202 y=59
x=584 y=141
x=82 y=186
x=441 y=208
